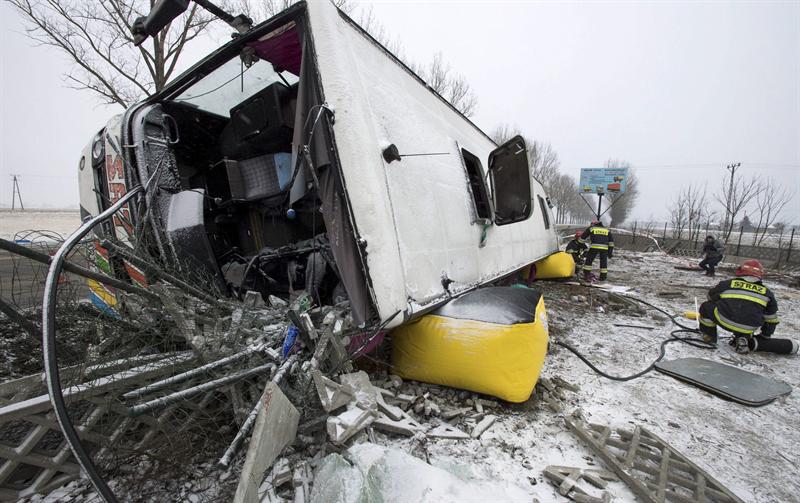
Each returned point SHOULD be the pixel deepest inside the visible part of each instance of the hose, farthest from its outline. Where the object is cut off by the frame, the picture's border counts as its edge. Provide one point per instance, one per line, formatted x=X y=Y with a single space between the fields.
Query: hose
x=692 y=341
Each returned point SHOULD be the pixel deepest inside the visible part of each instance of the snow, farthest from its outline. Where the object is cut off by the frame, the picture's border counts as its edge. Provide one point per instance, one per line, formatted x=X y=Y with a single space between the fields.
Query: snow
x=752 y=451
x=62 y=222
x=389 y=474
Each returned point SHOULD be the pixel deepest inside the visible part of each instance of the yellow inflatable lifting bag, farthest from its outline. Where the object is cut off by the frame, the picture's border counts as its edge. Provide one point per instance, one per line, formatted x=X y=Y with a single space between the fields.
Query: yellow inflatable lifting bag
x=556 y=266
x=498 y=359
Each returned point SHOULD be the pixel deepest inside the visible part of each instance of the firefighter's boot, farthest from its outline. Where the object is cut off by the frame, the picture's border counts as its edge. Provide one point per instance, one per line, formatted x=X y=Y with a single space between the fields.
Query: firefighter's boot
x=741 y=344
x=603 y=276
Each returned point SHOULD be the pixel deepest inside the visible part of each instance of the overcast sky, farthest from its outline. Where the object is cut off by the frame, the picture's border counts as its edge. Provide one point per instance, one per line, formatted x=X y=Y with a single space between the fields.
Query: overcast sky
x=679 y=89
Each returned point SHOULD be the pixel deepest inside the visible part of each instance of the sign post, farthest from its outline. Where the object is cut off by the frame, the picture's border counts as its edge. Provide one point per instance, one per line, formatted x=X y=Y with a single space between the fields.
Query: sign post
x=601 y=181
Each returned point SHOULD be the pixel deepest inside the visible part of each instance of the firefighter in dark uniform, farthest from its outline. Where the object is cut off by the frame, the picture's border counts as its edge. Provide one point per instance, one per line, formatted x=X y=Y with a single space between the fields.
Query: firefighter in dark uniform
x=742 y=305
x=601 y=242
x=576 y=248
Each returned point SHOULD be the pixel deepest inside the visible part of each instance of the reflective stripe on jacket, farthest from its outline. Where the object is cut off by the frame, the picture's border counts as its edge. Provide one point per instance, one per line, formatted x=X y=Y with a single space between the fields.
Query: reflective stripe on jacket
x=743 y=306
x=598 y=237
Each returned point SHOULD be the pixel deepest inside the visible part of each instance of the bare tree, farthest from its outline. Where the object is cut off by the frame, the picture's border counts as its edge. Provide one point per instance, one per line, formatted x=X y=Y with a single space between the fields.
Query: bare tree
x=734 y=195
x=689 y=211
x=622 y=204
x=678 y=214
x=695 y=200
x=96 y=37
x=453 y=87
x=562 y=192
x=543 y=159
x=770 y=201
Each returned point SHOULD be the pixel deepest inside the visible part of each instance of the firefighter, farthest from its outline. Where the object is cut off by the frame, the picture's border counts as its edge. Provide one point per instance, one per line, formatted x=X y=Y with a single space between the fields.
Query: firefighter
x=742 y=305
x=601 y=242
x=576 y=248
x=713 y=250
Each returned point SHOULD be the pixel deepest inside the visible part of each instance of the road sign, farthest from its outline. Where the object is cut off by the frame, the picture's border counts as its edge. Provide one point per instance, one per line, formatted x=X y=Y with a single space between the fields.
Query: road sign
x=603 y=180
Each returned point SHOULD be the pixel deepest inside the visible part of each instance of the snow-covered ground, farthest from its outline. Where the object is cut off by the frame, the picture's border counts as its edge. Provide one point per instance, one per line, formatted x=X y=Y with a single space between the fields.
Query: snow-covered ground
x=62 y=222
x=752 y=451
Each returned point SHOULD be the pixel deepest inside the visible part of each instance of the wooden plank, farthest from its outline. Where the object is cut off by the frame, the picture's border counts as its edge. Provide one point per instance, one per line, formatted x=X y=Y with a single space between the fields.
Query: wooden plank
x=700 y=490
x=631 y=454
x=663 y=475
x=714 y=482
x=689 y=484
x=636 y=485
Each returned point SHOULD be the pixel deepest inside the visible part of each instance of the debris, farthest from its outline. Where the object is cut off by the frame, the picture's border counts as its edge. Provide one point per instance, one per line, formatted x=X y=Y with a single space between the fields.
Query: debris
x=566 y=479
x=332 y=395
x=395 y=381
x=448 y=431
x=301 y=481
x=402 y=426
x=561 y=383
x=643 y=327
x=365 y=392
x=649 y=466
x=275 y=428
x=348 y=423
x=281 y=472
x=277 y=302
x=390 y=410
x=450 y=414
x=484 y=425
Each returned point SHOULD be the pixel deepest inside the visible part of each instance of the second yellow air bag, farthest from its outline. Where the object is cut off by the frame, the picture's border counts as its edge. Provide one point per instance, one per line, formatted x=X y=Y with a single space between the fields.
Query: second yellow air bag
x=556 y=266
x=495 y=359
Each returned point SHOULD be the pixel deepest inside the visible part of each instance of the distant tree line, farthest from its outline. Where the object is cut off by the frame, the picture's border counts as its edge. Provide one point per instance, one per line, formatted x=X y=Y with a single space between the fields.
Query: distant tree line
x=741 y=203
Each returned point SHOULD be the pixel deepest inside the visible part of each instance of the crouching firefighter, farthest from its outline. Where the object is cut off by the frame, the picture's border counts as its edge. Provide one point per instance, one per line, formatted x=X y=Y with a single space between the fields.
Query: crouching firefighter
x=601 y=242
x=742 y=305
x=577 y=249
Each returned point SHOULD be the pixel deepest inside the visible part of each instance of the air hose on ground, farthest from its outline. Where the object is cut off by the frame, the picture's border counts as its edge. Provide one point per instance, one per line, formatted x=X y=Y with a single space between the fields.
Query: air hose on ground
x=692 y=341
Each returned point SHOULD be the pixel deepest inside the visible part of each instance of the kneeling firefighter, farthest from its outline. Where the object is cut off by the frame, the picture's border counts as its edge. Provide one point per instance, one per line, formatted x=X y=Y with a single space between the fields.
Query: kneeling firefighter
x=742 y=305
x=601 y=242
x=577 y=249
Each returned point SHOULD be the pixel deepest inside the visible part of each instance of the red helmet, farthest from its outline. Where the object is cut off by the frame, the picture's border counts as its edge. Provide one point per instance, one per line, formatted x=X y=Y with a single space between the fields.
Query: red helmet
x=578 y=234
x=751 y=267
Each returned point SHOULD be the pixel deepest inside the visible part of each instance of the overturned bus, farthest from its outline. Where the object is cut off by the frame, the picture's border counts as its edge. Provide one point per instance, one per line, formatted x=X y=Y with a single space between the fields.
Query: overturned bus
x=281 y=163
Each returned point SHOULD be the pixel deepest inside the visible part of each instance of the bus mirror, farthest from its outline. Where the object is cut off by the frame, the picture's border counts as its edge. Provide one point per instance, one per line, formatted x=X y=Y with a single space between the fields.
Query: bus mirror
x=162 y=14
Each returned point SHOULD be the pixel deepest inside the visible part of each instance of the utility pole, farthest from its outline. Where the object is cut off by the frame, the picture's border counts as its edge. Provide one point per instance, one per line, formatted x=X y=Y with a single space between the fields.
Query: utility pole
x=16 y=194
x=729 y=206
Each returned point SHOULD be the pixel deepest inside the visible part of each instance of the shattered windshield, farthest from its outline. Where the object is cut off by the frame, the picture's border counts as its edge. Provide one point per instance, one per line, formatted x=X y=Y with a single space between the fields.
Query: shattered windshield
x=230 y=84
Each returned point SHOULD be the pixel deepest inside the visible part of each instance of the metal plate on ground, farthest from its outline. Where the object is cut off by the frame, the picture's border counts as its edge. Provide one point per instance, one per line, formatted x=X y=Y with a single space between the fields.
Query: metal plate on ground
x=725 y=381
